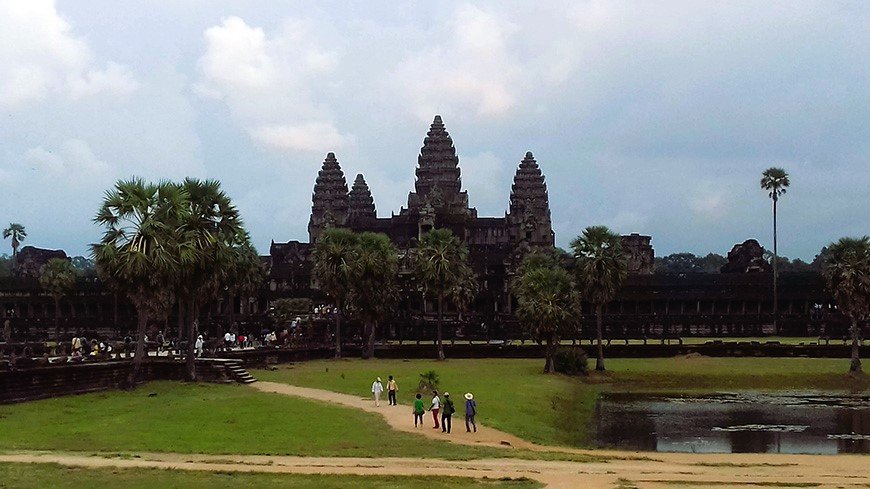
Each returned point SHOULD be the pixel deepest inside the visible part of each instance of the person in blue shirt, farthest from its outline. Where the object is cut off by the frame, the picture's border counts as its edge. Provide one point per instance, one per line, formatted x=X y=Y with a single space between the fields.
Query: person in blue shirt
x=470 y=412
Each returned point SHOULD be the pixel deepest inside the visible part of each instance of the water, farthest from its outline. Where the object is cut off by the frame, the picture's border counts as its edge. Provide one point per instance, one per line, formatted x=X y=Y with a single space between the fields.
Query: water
x=734 y=423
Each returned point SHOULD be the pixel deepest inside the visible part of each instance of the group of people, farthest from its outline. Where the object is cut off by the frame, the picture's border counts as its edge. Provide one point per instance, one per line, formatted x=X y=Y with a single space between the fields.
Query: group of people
x=446 y=408
x=81 y=348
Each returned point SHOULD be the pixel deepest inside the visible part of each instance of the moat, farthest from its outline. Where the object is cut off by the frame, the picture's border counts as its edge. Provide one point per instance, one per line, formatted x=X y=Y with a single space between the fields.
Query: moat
x=794 y=422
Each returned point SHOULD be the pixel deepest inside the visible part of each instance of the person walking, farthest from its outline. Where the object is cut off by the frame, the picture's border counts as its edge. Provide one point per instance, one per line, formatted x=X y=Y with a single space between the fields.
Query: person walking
x=377 y=390
x=435 y=408
x=447 y=413
x=470 y=412
x=198 y=346
x=392 y=388
x=418 y=410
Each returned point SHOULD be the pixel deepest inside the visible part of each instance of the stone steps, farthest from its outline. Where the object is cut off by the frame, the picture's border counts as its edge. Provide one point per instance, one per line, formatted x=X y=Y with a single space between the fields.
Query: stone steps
x=238 y=372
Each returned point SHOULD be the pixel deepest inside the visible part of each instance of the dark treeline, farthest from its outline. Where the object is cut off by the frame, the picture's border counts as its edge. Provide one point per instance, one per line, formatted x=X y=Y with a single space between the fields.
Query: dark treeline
x=678 y=263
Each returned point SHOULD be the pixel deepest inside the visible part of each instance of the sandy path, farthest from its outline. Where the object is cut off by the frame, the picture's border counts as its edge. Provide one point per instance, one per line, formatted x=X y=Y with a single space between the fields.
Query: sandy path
x=818 y=472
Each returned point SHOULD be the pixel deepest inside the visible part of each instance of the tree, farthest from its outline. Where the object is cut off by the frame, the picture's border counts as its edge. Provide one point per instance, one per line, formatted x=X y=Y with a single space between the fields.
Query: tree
x=246 y=274
x=333 y=255
x=58 y=278
x=374 y=272
x=600 y=271
x=775 y=181
x=847 y=273
x=216 y=248
x=441 y=269
x=546 y=303
x=141 y=249
x=17 y=233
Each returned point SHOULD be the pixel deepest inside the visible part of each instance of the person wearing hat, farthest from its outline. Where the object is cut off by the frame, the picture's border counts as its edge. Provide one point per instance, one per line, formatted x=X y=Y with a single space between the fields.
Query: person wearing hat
x=377 y=389
x=447 y=411
x=198 y=346
x=470 y=411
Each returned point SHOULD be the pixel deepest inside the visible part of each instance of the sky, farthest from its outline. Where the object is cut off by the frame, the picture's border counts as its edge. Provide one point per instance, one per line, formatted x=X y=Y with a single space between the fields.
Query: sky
x=648 y=117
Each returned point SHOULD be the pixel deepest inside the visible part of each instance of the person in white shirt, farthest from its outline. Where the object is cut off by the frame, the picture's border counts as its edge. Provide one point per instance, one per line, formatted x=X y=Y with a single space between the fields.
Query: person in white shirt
x=227 y=339
x=435 y=407
x=377 y=390
x=198 y=346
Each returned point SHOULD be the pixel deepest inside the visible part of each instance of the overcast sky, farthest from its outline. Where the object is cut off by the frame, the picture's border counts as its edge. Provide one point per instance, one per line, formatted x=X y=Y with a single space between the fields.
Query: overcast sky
x=649 y=117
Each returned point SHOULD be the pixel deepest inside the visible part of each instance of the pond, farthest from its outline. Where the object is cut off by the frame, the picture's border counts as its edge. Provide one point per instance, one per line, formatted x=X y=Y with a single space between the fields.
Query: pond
x=734 y=423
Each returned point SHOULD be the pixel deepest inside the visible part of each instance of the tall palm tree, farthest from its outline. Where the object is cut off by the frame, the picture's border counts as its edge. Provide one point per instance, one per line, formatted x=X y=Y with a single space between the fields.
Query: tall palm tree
x=775 y=181
x=17 y=233
x=847 y=272
x=141 y=248
x=58 y=278
x=374 y=290
x=600 y=271
x=333 y=258
x=546 y=305
x=442 y=270
x=213 y=227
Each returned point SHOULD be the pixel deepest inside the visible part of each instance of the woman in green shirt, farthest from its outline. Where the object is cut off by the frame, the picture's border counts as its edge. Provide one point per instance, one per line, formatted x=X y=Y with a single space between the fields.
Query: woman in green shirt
x=418 y=410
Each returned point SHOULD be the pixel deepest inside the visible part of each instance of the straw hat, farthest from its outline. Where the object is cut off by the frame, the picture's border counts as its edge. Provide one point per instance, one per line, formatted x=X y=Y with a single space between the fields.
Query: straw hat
x=379 y=379
x=446 y=394
x=469 y=396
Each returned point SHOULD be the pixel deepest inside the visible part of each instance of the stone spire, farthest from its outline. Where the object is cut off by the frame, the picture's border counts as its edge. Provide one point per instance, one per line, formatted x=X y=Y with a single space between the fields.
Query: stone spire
x=529 y=215
x=438 y=165
x=362 y=205
x=330 y=198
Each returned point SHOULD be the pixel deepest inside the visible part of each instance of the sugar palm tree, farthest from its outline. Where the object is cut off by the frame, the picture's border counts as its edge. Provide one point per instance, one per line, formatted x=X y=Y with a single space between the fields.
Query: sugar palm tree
x=333 y=258
x=600 y=271
x=17 y=233
x=141 y=249
x=546 y=305
x=441 y=269
x=847 y=273
x=214 y=229
x=58 y=278
x=775 y=181
x=374 y=289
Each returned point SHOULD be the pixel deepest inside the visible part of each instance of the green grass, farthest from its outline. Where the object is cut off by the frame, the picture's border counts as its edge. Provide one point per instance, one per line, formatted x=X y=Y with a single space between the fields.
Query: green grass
x=38 y=476
x=212 y=419
x=514 y=396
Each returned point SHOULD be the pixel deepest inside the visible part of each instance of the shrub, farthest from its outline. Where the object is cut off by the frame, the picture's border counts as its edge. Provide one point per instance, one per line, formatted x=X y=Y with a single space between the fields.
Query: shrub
x=428 y=381
x=571 y=361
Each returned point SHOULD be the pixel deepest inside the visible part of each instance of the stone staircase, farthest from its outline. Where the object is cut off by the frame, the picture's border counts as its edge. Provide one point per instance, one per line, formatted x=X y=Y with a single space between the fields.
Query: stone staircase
x=238 y=372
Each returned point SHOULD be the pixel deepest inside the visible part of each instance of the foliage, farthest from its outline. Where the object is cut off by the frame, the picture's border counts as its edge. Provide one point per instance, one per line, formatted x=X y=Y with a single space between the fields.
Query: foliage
x=284 y=311
x=428 y=381
x=571 y=361
x=681 y=263
x=847 y=273
x=57 y=277
x=440 y=265
x=775 y=181
x=17 y=232
x=373 y=292
x=546 y=302
x=333 y=257
x=84 y=267
x=600 y=271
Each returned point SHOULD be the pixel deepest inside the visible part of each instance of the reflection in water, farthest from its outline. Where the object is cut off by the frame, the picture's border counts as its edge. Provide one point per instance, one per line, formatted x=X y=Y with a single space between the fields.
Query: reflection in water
x=734 y=423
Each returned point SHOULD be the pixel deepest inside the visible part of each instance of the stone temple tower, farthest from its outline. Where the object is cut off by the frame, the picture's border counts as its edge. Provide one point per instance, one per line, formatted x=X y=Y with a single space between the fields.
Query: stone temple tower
x=438 y=176
x=361 y=214
x=529 y=216
x=330 y=202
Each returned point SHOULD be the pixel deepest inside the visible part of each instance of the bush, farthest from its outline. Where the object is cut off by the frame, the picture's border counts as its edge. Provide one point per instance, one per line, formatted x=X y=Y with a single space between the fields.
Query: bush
x=571 y=361
x=428 y=381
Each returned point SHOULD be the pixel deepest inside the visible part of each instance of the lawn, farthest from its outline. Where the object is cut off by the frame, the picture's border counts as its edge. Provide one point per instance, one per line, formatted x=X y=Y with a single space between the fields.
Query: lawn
x=514 y=396
x=212 y=419
x=39 y=476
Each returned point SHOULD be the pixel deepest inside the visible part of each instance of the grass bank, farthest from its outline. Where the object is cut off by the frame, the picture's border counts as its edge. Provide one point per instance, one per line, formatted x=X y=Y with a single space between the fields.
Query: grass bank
x=39 y=476
x=515 y=397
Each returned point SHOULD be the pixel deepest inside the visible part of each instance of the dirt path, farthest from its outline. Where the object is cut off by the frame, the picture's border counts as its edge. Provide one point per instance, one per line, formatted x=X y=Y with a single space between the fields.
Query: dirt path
x=833 y=472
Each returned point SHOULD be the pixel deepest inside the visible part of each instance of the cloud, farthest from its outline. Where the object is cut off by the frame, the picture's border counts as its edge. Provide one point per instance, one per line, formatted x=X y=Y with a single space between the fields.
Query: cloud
x=74 y=161
x=40 y=56
x=484 y=176
x=272 y=84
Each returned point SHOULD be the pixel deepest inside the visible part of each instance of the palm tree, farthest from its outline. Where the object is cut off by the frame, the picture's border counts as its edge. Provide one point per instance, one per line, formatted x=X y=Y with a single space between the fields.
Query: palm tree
x=775 y=181
x=140 y=249
x=333 y=257
x=58 y=278
x=373 y=292
x=17 y=233
x=442 y=270
x=600 y=271
x=212 y=226
x=546 y=305
x=847 y=272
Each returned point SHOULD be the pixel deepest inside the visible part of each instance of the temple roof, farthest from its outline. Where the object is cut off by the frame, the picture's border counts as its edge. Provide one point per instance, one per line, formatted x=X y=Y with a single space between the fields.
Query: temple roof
x=330 y=189
x=361 y=202
x=438 y=164
x=529 y=186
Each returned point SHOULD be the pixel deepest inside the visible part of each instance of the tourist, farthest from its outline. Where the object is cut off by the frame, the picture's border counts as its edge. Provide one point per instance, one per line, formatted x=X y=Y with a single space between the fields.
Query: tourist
x=446 y=413
x=76 y=344
x=227 y=338
x=232 y=340
x=128 y=345
x=470 y=412
x=418 y=410
x=392 y=388
x=377 y=390
x=160 y=340
x=198 y=346
x=435 y=408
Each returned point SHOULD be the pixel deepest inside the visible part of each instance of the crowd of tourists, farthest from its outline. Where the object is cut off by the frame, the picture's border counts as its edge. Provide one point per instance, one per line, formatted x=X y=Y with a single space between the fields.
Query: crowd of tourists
x=442 y=409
